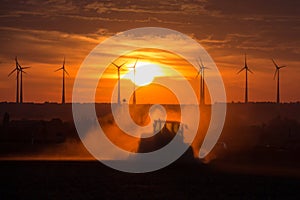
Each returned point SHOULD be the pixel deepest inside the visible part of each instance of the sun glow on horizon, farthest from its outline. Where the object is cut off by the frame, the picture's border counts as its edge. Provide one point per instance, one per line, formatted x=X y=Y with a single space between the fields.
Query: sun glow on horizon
x=144 y=73
x=153 y=68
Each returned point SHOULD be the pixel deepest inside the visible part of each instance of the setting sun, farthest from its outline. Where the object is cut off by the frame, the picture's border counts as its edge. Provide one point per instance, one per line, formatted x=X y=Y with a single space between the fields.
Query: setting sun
x=144 y=73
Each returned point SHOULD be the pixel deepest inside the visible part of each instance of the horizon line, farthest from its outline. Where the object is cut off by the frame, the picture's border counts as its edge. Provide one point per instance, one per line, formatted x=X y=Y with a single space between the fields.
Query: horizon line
x=207 y=104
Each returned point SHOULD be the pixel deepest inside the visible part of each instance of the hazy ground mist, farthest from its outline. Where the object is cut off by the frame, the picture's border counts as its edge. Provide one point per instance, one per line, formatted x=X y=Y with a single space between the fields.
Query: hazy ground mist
x=262 y=133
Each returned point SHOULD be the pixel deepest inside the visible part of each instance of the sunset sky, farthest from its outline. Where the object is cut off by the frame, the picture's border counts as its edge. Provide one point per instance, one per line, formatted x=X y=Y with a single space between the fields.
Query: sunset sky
x=41 y=33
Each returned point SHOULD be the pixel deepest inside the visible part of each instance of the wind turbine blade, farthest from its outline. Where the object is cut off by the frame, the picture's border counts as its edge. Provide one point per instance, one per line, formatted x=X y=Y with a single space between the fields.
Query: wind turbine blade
x=122 y=65
x=200 y=68
x=245 y=59
x=25 y=67
x=66 y=72
x=275 y=74
x=18 y=66
x=16 y=59
x=115 y=65
x=133 y=67
x=274 y=63
x=201 y=63
x=197 y=74
x=241 y=70
x=12 y=72
x=135 y=62
x=24 y=72
x=282 y=66
x=250 y=70
x=58 y=69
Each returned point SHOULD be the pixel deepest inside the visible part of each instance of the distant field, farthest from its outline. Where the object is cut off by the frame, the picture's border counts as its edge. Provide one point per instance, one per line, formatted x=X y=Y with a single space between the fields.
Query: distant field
x=90 y=180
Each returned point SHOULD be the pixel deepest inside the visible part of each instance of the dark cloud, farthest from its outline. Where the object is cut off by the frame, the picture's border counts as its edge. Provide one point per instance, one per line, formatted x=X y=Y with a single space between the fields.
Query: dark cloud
x=254 y=8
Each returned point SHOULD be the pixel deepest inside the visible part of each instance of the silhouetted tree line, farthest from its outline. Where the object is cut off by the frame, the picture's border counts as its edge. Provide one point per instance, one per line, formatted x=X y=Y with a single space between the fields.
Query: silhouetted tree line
x=32 y=131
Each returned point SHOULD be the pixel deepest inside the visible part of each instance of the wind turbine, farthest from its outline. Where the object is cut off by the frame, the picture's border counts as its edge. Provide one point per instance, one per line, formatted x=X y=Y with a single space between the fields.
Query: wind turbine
x=246 y=68
x=17 y=70
x=134 y=94
x=277 y=70
x=202 y=81
x=63 y=80
x=118 y=67
x=21 y=69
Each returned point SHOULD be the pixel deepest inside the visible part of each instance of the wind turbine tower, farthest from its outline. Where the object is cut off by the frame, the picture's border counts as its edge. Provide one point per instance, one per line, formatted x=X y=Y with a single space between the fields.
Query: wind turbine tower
x=202 y=81
x=134 y=72
x=119 y=67
x=246 y=68
x=64 y=71
x=277 y=70
x=21 y=84
x=17 y=70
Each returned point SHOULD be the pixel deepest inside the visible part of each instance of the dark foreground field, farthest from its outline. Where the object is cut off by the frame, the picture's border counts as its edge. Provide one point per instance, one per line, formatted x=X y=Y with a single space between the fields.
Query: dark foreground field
x=92 y=180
